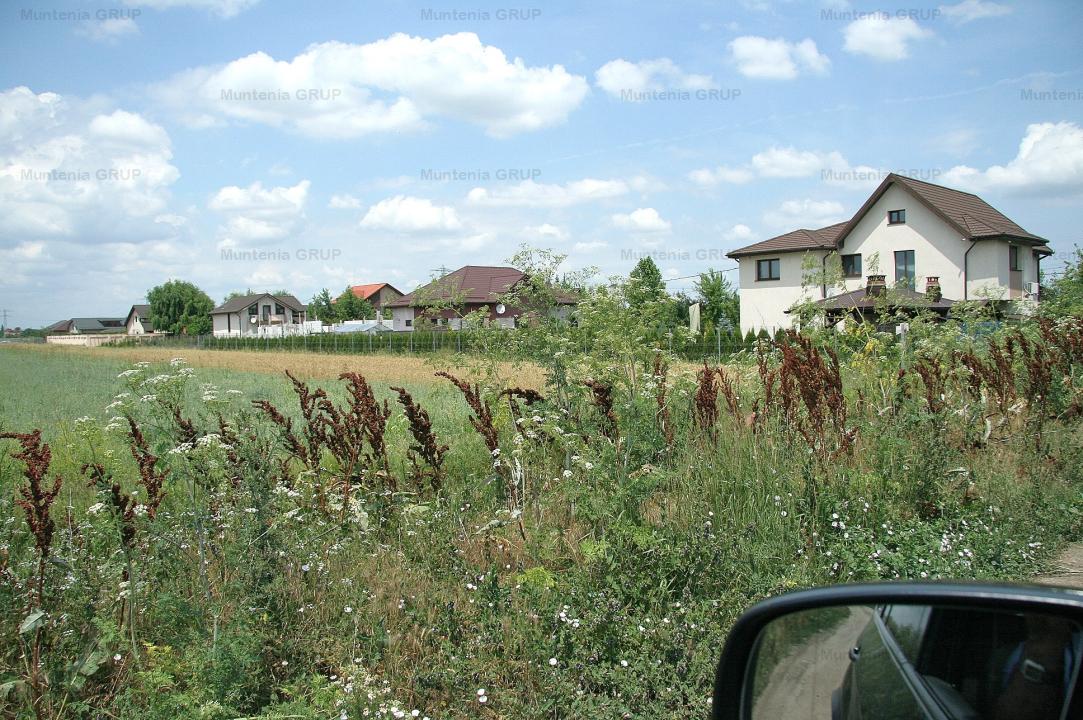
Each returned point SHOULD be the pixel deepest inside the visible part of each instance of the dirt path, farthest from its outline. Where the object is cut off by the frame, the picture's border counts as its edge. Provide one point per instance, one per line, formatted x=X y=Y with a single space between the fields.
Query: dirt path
x=801 y=684
x=1067 y=570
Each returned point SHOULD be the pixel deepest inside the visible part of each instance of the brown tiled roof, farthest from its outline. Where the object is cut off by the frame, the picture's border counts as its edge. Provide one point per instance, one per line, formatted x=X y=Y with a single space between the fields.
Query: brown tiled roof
x=470 y=285
x=974 y=219
x=822 y=239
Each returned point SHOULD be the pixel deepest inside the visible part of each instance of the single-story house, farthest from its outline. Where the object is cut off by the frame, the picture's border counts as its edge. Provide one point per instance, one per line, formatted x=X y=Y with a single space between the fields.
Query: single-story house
x=246 y=315
x=444 y=301
x=86 y=326
x=909 y=231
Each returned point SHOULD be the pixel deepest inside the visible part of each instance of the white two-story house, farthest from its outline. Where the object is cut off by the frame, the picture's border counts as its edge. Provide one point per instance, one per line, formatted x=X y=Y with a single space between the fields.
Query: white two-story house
x=909 y=233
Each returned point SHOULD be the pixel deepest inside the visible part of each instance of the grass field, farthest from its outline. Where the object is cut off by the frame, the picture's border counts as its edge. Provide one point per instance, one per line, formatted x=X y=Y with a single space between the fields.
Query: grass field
x=584 y=559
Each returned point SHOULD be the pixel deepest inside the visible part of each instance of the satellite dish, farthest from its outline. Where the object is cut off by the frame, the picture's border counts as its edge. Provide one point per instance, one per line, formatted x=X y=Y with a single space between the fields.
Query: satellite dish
x=251 y=318
x=500 y=309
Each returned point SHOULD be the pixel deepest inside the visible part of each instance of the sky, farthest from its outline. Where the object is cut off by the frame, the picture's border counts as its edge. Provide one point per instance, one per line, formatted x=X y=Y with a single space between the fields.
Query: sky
x=269 y=145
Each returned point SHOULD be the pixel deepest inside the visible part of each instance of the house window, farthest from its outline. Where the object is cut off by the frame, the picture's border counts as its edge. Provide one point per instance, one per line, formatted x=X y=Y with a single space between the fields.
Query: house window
x=1013 y=258
x=904 y=268
x=279 y=310
x=253 y=310
x=409 y=323
x=851 y=266
x=768 y=269
x=896 y=217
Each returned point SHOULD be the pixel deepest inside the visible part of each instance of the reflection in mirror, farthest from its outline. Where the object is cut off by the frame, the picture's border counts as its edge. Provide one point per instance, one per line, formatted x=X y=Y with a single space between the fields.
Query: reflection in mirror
x=900 y=662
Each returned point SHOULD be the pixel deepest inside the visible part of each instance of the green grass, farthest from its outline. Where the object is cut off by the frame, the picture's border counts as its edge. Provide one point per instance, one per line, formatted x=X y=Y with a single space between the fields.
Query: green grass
x=612 y=594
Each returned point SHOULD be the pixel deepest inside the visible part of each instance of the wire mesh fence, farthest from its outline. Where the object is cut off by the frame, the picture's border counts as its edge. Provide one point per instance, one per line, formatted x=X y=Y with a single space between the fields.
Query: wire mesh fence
x=710 y=348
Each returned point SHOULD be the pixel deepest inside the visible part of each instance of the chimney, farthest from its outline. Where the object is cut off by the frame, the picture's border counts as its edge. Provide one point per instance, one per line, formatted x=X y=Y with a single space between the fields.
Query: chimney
x=932 y=289
x=877 y=285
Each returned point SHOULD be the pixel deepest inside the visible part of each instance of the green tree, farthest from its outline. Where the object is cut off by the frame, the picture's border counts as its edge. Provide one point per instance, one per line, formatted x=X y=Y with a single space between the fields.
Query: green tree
x=322 y=307
x=721 y=305
x=181 y=308
x=645 y=285
x=1064 y=295
x=350 y=307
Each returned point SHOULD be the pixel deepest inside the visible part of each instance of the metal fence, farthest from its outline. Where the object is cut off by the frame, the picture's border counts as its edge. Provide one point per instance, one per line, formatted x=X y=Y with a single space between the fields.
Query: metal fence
x=712 y=349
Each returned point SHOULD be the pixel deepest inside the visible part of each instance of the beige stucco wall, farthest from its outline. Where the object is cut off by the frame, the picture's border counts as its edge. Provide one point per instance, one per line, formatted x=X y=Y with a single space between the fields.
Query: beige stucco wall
x=939 y=251
x=764 y=302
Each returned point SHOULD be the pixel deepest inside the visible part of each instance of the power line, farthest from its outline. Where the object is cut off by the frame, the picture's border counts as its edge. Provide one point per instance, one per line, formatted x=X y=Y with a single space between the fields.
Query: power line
x=686 y=277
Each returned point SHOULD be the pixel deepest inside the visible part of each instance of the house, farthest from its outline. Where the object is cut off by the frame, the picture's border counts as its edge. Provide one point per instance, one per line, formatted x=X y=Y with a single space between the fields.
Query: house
x=377 y=294
x=444 y=301
x=912 y=233
x=262 y=314
x=370 y=327
x=86 y=326
x=138 y=320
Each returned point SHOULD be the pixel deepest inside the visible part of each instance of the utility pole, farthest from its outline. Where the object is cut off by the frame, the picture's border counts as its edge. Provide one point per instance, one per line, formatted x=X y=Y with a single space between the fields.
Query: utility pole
x=4 y=324
x=441 y=271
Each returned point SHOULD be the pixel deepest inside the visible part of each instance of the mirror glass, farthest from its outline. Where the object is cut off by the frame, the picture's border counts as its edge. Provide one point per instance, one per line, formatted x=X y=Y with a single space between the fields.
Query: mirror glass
x=899 y=662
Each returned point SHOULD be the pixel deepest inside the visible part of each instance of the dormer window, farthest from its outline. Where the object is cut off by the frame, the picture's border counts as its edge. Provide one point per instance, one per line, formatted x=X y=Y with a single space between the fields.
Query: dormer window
x=896 y=217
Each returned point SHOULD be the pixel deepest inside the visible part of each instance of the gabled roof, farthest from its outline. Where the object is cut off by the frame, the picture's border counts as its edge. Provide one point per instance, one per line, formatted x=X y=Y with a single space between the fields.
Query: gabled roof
x=972 y=217
x=366 y=291
x=142 y=312
x=240 y=303
x=470 y=284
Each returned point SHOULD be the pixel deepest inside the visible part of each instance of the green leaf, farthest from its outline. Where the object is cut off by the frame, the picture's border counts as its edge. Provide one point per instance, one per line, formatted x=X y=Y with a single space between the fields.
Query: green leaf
x=10 y=686
x=32 y=622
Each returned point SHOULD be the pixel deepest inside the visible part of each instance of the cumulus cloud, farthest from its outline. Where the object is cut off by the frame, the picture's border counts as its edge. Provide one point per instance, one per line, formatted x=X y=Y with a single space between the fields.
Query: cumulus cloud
x=785 y=162
x=807 y=213
x=883 y=37
x=642 y=220
x=256 y=214
x=1049 y=161
x=739 y=233
x=70 y=168
x=532 y=194
x=547 y=231
x=343 y=90
x=776 y=59
x=405 y=214
x=970 y=10
x=626 y=80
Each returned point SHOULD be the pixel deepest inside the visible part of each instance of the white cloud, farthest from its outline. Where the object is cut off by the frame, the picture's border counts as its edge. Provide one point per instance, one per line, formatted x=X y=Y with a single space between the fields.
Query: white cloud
x=778 y=162
x=1049 y=161
x=70 y=168
x=391 y=85
x=259 y=215
x=739 y=233
x=110 y=30
x=344 y=202
x=807 y=213
x=222 y=8
x=590 y=246
x=626 y=80
x=407 y=214
x=547 y=231
x=707 y=177
x=970 y=10
x=883 y=37
x=778 y=59
x=642 y=220
x=532 y=194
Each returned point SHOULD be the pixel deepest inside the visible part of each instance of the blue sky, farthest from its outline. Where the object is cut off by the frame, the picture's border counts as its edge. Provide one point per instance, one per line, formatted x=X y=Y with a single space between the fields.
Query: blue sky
x=221 y=141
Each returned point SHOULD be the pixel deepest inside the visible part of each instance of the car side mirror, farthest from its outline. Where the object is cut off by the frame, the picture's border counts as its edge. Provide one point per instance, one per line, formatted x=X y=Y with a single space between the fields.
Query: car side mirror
x=905 y=650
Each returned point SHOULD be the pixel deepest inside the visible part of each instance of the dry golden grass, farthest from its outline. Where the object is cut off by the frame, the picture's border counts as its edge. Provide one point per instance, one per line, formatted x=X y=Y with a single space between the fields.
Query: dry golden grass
x=376 y=368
